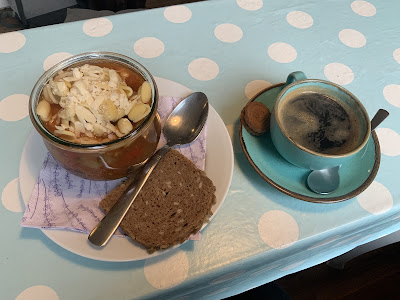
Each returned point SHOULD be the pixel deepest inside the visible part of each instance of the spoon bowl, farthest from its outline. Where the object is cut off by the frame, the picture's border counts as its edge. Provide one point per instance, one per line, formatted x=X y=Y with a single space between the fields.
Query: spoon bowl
x=186 y=120
x=182 y=127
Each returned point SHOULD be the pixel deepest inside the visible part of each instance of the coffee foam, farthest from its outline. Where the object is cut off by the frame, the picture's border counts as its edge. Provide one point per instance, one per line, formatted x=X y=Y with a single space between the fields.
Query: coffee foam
x=319 y=122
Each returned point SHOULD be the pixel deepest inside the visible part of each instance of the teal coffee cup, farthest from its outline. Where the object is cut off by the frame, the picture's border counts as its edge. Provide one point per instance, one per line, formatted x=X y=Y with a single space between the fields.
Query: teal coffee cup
x=316 y=124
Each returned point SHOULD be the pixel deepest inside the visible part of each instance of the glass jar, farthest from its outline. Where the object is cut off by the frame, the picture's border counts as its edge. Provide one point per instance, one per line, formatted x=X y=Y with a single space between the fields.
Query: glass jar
x=109 y=160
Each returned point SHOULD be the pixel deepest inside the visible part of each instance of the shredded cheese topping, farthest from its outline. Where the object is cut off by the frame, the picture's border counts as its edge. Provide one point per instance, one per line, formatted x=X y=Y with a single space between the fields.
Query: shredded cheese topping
x=92 y=98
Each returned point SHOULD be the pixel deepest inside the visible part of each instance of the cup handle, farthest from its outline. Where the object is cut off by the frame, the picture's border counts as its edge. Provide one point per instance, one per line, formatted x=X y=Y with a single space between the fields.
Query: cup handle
x=295 y=76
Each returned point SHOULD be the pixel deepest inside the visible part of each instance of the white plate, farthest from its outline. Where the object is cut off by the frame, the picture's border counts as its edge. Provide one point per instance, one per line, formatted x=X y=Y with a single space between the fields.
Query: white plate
x=219 y=168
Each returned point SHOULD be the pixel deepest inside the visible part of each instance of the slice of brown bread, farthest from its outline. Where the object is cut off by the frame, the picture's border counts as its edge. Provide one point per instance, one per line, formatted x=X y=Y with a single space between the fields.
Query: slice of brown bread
x=173 y=204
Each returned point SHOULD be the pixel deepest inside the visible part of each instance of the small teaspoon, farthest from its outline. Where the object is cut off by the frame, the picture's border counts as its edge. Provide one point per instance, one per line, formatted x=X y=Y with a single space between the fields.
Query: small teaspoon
x=327 y=181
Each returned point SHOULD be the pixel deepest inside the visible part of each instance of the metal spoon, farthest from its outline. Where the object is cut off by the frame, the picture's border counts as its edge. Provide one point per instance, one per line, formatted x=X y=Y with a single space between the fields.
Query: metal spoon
x=327 y=181
x=182 y=127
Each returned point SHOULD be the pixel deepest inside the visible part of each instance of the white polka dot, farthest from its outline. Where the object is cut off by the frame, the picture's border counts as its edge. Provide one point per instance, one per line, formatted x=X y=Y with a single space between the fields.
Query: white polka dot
x=14 y=107
x=54 y=59
x=227 y=277
x=324 y=242
x=292 y=266
x=38 y=292
x=149 y=47
x=278 y=229
x=177 y=14
x=352 y=38
x=299 y=19
x=228 y=33
x=232 y=130
x=11 y=42
x=363 y=8
x=250 y=4
x=376 y=199
x=391 y=93
x=254 y=87
x=97 y=27
x=389 y=141
x=282 y=52
x=396 y=55
x=168 y=270
x=203 y=69
x=10 y=196
x=339 y=73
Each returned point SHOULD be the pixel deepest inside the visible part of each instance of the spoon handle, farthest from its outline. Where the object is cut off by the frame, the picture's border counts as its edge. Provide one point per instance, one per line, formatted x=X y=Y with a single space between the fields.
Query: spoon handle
x=378 y=118
x=107 y=226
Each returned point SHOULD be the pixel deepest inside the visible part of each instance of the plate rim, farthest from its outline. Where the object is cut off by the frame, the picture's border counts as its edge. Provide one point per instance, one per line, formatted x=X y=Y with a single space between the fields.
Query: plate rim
x=296 y=195
x=69 y=233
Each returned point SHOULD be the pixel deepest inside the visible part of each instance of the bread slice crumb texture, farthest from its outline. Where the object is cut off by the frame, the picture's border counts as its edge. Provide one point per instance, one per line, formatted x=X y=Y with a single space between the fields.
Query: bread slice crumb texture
x=173 y=204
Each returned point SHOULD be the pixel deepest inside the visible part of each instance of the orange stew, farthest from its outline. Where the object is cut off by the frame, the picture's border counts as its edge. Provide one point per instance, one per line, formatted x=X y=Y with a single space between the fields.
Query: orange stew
x=111 y=161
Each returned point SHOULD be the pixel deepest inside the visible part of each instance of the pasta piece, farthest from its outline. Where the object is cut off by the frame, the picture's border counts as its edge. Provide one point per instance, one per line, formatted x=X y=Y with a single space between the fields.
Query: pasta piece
x=124 y=125
x=43 y=110
x=128 y=91
x=139 y=112
x=145 y=92
x=119 y=134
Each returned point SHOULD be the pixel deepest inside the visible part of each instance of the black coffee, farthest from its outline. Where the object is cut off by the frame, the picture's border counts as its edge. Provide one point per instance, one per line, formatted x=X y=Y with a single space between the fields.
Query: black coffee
x=319 y=123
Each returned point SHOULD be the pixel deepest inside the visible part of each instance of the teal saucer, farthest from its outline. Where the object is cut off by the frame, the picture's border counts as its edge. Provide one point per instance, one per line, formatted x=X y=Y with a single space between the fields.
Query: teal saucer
x=355 y=176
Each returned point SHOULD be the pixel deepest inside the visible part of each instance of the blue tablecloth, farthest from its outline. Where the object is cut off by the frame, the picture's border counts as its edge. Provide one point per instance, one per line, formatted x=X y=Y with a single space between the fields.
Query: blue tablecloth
x=230 y=50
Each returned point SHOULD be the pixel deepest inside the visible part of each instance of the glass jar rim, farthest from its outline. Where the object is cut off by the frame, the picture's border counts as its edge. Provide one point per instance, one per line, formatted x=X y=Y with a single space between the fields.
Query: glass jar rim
x=86 y=58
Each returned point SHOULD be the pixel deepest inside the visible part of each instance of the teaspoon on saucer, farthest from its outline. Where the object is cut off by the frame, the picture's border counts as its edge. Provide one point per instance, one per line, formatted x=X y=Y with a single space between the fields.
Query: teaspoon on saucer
x=326 y=181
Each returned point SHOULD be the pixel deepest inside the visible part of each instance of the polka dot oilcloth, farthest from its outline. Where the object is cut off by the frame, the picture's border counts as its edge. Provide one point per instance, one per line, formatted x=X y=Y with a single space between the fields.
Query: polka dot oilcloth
x=54 y=59
x=389 y=141
x=339 y=73
x=363 y=8
x=10 y=196
x=282 y=52
x=11 y=42
x=231 y=50
x=149 y=47
x=14 y=107
x=38 y=292
x=178 y=14
x=97 y=27
x=299 y=19
x=228 y=33
x=203 y=69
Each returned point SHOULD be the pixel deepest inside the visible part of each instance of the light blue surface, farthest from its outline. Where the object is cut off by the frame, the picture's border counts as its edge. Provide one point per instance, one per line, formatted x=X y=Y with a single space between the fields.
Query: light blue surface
x=232 y=255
